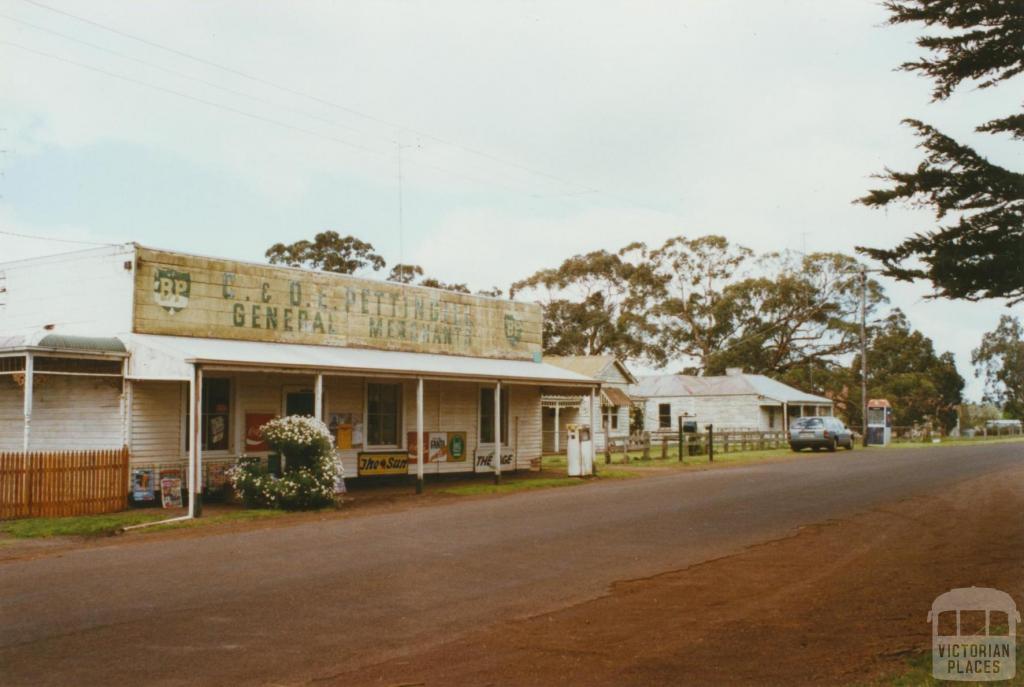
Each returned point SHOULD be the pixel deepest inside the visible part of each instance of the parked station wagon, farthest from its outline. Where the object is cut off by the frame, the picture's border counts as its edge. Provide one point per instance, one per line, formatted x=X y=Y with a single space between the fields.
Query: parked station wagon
x=819 y=432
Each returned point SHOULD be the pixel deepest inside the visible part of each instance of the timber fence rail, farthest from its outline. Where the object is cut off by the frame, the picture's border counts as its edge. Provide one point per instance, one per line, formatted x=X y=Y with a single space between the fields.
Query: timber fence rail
x=666 y=444
x=62 y=483
x=919 y=434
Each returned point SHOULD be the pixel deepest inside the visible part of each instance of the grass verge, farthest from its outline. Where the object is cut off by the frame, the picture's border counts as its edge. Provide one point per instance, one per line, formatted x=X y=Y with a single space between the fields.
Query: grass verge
x=108 y=524
x=636 y=459
x=919 y=673
x=528 y=484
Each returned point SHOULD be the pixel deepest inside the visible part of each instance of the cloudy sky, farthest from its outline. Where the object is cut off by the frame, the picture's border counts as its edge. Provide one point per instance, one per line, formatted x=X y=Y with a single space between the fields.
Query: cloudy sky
x=527 y=131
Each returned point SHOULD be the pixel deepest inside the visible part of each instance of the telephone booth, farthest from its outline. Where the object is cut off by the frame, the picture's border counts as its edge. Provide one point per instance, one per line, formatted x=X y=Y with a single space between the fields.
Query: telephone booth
x=879 y=422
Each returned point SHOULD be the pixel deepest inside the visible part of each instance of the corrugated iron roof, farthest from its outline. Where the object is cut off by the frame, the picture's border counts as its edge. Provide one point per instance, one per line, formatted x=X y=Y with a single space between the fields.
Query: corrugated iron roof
x=659 y=386
x=63 y=342
x=170 y=357
x=616 y=396
x=589 y=365
x=92 y=344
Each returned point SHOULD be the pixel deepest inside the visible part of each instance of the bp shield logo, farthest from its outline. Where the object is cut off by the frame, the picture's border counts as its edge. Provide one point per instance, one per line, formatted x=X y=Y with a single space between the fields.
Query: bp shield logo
x=513 y=329
x=171 y=289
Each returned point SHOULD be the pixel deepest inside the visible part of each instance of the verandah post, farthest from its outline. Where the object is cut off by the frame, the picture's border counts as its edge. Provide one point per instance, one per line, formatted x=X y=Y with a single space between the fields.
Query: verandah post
x=195 y=386
x=419 y=435
x=497 y=432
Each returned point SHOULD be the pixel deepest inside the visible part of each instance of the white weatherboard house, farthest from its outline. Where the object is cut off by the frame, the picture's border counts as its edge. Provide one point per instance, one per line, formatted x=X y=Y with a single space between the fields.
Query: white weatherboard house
x=611 y=419
x=736 y=401
x=181 y=358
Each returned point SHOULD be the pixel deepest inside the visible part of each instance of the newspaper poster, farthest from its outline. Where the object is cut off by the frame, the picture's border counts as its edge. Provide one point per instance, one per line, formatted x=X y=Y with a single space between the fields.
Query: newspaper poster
x=170 y=492
x=144 y=484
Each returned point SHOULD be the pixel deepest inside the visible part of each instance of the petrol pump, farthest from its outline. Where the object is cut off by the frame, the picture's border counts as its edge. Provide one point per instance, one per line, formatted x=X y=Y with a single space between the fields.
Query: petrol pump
x=579 y=450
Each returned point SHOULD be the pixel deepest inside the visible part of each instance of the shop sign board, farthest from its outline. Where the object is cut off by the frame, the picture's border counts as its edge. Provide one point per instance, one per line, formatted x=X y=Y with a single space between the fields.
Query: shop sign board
x=382 y=464
x=185 y=295
x=484 y=460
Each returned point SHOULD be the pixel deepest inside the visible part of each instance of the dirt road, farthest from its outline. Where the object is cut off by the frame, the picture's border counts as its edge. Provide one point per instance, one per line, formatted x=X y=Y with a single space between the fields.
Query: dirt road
x=839 y=603
x=529 y=589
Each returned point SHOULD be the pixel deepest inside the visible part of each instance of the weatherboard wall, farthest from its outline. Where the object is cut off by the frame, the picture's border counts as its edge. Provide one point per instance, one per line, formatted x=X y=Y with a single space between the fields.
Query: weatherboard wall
x=87 y=293
x=68 y=413
x=157 y=423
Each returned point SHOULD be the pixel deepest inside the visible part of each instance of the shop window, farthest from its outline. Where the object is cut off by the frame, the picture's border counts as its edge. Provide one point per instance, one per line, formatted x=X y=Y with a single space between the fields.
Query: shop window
x=487 y=416
x=665 y=415
x=215 y=416
x=383 y=414
x=301 y=402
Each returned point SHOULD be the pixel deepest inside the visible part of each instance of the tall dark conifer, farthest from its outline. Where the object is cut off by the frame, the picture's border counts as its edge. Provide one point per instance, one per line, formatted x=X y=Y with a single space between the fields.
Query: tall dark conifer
x=976 y=249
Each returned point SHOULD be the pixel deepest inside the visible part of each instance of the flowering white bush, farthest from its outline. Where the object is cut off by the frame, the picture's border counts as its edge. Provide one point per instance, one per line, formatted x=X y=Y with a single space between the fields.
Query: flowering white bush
x=311 y=470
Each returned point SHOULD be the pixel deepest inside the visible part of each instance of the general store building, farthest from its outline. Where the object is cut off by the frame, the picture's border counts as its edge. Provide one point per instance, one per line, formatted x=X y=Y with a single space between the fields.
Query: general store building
x=122 y=346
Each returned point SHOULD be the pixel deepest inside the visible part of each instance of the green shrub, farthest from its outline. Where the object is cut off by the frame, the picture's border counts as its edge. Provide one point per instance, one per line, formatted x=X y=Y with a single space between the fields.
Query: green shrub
x=310 y=467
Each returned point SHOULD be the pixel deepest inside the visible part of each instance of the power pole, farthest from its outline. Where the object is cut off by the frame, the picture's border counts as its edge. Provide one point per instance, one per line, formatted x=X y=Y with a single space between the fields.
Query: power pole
x=864 y=355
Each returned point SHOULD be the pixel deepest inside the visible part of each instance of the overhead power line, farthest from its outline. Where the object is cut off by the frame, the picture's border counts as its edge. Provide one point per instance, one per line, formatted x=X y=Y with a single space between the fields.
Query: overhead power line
x=54 y=239
x=182 y=75
x=586 y=188
x=250 y=115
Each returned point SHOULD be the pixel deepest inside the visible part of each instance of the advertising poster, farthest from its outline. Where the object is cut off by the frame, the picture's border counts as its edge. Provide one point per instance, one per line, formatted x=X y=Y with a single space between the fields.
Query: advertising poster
x=435 y=446
x=217 y=432
x=170 y=493
x=217 y=475
x=485 y=460
x=253 y=421
x=437 y=443
x=383 y=464
x=456 y=447
x=410 y=442
x=144 y=484
x=347 y=429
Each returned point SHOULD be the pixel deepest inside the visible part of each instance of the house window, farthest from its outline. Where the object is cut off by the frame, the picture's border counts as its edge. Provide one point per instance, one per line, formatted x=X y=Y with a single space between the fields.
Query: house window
x=665 y=415
x=611 y=416
x=215 y=416
x=383 y=414
x=487 y=417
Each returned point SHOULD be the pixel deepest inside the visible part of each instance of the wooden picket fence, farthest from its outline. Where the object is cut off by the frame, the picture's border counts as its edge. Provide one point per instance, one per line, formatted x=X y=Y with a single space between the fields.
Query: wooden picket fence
x=62 y=483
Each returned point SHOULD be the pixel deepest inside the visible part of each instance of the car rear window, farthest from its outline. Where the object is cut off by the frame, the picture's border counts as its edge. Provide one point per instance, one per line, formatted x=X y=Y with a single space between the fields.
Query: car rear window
x=808 y=423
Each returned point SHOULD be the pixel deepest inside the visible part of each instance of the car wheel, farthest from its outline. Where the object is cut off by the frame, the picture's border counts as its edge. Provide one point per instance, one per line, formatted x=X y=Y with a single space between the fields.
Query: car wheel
x=832 y=447
x=795 y=449
x=849 y=445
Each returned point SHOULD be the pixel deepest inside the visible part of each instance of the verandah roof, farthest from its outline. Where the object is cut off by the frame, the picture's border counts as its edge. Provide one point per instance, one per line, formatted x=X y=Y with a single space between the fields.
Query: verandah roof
x=171 y=358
